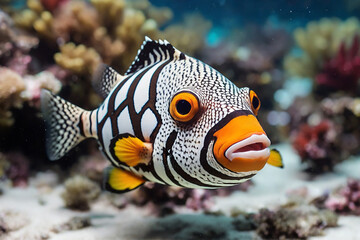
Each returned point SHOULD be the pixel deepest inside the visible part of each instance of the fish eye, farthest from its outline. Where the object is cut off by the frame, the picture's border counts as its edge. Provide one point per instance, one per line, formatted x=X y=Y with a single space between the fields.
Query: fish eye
x=184 y=106
x=255 y=102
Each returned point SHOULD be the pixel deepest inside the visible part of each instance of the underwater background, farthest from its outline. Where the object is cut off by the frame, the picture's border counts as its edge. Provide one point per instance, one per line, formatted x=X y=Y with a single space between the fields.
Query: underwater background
x=302 y=58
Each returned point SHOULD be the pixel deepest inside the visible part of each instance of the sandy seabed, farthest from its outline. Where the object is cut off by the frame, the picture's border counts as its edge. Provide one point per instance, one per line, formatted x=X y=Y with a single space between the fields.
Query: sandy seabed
x=44 y=211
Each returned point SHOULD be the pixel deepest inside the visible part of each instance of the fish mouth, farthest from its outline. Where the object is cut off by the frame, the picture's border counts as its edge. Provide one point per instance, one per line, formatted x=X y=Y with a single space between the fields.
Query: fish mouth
x=254 y=147
x=241 y=145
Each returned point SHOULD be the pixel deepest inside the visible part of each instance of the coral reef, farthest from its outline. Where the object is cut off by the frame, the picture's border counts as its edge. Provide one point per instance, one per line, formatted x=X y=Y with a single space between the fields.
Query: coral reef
x=17 y=170
x=15 y=90
x=297 y=222
x=315 y=143
x=325 y=133
x=13 y=40
x=79 y=59
x=320 y=41
x=79 y=192
x=331 y=60
x=113 y=28
x=11 y=86
x=346 y=199
x=342 y=72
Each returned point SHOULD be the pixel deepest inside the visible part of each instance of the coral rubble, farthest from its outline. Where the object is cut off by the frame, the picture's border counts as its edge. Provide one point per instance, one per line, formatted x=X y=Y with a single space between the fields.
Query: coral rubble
x=187 y=226
x=346 y=199
x=11 y=221
x=79 y=192
x=298 y=222
x=74 y=223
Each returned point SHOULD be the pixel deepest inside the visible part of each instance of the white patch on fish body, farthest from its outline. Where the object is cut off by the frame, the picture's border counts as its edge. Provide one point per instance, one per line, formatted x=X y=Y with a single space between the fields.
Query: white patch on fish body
x=124 y=122
x=141 y=95
x=148 y=124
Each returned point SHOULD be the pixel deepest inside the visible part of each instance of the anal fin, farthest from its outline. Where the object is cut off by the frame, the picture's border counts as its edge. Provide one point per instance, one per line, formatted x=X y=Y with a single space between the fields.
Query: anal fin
x=117 y=180
x=275 y=159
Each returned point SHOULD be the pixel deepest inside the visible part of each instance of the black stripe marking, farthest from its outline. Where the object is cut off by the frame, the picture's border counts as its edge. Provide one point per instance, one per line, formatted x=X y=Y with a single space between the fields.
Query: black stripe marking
x=81 y=125
x=90 y=121
x=167 y=154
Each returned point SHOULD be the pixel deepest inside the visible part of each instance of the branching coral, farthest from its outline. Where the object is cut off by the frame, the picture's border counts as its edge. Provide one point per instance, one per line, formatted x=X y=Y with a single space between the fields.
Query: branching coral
x=342 y=72
x=11 y=86
x=14 y=90
x=79 y=59
x=320 y=41
x=79 y=192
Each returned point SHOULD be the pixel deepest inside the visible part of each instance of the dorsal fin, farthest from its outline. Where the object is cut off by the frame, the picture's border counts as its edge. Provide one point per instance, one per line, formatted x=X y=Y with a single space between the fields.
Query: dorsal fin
x=104 y=79
x=154 y=51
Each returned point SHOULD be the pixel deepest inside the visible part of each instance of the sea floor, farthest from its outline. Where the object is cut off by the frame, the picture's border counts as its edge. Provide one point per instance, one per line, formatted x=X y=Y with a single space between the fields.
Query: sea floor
x=40 y=212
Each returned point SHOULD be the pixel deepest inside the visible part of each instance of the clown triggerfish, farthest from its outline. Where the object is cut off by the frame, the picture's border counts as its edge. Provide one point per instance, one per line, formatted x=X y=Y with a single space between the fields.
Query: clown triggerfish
x=170 y=119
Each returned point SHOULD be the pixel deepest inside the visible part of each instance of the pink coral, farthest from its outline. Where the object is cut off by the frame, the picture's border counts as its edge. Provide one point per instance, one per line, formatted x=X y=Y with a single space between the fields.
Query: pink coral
x=315 y=143
x=18 y=171
x=346 y=199
x=342 y=72
x=52 y=5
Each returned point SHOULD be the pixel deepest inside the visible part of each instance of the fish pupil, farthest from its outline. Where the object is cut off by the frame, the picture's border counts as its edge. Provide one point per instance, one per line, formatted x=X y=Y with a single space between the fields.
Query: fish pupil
x=183 y=107
x=255 y=102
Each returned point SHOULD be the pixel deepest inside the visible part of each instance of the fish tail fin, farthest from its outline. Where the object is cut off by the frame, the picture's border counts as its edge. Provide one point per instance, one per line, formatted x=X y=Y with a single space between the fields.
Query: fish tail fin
x=66 y=125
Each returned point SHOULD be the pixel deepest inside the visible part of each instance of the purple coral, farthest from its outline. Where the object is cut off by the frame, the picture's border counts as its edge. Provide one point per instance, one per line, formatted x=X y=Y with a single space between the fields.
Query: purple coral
x=343 y=71
x=346 y=199
x=18 y=170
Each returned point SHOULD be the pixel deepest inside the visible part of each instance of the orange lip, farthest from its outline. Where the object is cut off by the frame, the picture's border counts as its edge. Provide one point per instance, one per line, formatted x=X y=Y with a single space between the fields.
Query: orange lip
x=235 y=131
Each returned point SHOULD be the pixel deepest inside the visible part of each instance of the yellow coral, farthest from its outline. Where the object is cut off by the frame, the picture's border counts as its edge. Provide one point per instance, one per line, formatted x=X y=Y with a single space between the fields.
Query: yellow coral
x=35 y=5
x=160 y=15
x=111 y=11
x=25 y=18
x=43 y=25
x=320 y=40
x=79 y=59
x=108 y=48
x=11 y=86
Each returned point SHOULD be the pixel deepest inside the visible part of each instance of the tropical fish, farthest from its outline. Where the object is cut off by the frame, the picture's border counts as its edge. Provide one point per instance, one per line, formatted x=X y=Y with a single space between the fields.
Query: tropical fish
x=170 y=119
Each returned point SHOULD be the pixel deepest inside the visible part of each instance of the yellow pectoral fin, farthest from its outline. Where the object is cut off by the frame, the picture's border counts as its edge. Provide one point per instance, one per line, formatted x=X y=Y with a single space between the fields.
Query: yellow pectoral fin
x=275 y=159
x=119 y=181
x=132 y=151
